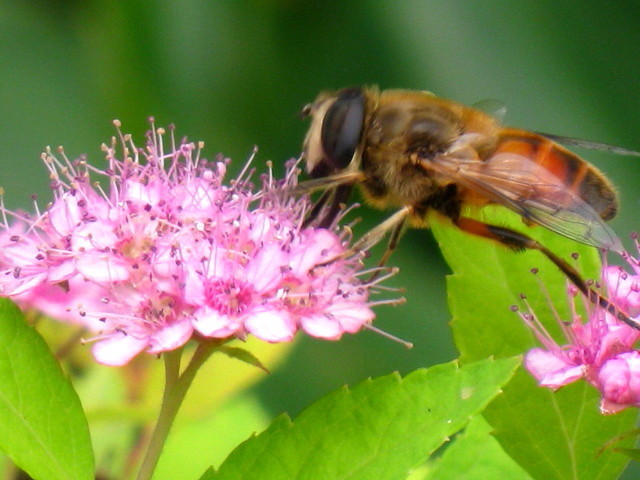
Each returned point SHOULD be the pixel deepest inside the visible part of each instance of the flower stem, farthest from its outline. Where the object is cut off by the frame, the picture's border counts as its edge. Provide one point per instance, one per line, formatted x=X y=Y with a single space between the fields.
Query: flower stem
x=175 y=389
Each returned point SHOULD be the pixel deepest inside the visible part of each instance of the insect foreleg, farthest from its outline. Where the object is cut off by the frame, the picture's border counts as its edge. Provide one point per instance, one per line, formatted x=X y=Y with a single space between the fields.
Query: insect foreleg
x=394 y=223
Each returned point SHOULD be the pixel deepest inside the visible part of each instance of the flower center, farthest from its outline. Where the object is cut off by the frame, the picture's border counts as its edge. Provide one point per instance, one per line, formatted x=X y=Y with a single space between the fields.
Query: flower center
x=227 y=296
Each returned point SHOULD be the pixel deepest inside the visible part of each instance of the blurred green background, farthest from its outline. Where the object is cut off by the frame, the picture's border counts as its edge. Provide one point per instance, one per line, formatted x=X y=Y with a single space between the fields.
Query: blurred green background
x=236 y=73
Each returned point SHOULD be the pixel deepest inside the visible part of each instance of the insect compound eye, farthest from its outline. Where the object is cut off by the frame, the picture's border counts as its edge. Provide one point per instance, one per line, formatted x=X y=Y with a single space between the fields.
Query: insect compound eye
x=342 y=127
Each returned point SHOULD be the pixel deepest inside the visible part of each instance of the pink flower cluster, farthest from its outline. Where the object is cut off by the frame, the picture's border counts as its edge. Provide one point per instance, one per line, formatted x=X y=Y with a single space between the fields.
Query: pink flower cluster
x=600 y=350
x=165 y=251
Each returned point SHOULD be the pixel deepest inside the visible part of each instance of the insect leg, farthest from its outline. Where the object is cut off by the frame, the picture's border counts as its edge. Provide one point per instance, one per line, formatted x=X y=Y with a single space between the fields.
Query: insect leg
x=519 y=241
x=394 y=223
x=336 y=198
x=396 y=233
x=339 y=198
x=317 y=208
x=338 y=187
x=394 y=239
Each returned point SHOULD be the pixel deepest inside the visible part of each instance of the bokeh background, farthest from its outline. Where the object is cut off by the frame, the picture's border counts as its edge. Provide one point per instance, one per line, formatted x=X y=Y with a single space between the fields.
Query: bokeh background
x=236 y=74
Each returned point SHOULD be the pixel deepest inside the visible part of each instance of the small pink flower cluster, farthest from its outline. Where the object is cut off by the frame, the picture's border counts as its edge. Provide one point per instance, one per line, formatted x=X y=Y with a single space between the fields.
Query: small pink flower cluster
x=169 y=253
x=600 y=350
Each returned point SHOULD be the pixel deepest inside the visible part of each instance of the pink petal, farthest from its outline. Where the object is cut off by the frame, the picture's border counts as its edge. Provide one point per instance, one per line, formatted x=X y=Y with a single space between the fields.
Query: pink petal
x=141 y=194
x=18 y=253
x=102 y=267
x=164 y=263
x=211 y=323
x=196 y=198
x=261 y=228
x=62 y=271
x=316 y=247
x=351 y=315
x=624 y=289
x=552 y=370
x=619 y=379
x=118 y=349
x=609 y=408
x=9 y=285
x=94 y=236
x=322 y=326
x=271 y=325
x=263 y=271
x=194 y=293
x=170 y=337
x=65 y=302
x=64 y=214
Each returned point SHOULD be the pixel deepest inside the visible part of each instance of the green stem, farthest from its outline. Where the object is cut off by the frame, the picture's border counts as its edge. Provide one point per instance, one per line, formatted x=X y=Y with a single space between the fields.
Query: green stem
x=175 y=389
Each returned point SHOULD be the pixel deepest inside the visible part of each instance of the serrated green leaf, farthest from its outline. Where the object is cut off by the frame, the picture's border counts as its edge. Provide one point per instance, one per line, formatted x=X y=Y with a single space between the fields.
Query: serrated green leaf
x=209 y=473
x=558 y=435
x=380 y=429
x=42 y=426
x=476 y=455
x=551 y=435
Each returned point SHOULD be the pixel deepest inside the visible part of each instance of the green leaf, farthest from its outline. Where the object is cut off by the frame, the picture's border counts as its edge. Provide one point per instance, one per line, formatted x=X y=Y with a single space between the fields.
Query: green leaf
x=475 y=454
x=243 y=355
x=551 y=435
x=42 y=425
x=558 y=435
x=632 y=453
x=380 y=429
x=489 y=278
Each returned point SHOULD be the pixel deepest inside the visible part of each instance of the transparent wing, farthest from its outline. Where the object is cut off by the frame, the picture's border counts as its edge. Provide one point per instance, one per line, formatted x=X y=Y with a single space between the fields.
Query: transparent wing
x=495 y=108
x=533 y=192
x=577 y=142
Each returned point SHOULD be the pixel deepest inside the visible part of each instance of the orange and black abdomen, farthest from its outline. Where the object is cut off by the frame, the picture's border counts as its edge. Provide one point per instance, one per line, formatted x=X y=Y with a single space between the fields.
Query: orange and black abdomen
x=577 y=174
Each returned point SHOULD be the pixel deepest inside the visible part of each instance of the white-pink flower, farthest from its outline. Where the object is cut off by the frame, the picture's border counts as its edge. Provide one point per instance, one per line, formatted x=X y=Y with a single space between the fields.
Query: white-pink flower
x=600 y=349
x=159 y=248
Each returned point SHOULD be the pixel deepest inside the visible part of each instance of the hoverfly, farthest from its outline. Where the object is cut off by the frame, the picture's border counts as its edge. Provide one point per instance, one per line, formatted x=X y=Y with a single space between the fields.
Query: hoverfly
x=419 y=152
